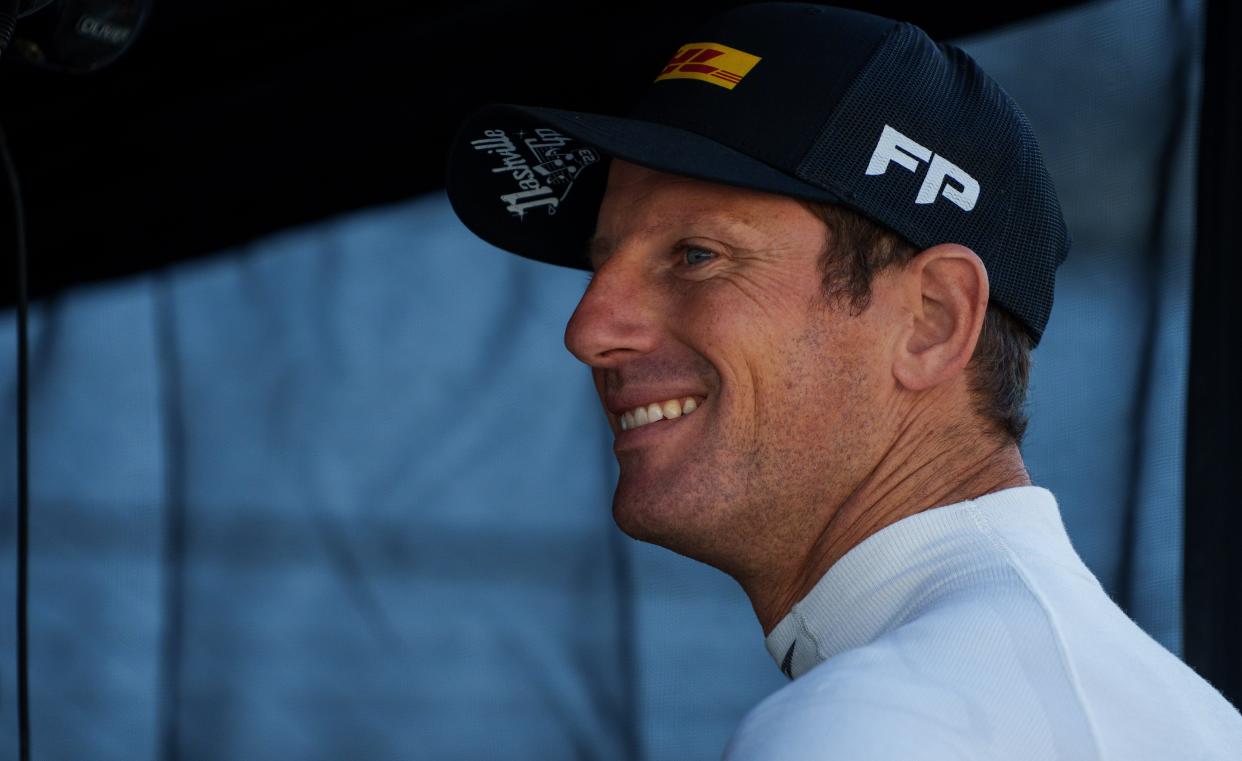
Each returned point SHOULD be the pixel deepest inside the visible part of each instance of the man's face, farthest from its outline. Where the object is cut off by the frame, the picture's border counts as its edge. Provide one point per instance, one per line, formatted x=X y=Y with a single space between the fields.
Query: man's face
x=713 y=292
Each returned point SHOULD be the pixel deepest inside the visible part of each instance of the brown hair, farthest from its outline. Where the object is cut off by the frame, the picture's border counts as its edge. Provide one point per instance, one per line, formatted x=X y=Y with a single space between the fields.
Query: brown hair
x=999 y=370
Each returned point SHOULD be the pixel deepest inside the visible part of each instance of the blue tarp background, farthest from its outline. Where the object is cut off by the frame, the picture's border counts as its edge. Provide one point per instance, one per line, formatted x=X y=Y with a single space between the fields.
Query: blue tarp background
x=342 y=493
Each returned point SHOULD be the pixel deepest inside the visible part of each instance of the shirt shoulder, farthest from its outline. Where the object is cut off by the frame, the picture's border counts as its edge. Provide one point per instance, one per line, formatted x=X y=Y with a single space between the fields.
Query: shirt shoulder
x=978 y=675
x=861 y=705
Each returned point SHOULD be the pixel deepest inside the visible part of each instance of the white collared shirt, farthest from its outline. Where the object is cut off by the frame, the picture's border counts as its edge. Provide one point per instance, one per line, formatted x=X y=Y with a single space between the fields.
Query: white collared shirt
x=975 y=631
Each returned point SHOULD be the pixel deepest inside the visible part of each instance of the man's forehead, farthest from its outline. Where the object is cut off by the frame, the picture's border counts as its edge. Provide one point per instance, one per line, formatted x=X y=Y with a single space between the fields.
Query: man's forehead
x=672 y=198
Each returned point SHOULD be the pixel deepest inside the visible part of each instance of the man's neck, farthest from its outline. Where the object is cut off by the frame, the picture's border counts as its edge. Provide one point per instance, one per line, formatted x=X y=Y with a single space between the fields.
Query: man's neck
x=903 y=484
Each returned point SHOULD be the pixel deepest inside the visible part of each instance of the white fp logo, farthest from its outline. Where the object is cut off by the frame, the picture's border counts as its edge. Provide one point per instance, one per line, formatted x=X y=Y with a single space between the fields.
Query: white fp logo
x=894 y=146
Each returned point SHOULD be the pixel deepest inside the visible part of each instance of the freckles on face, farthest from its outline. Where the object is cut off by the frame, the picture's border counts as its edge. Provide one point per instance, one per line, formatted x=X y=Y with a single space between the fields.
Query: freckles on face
x=759 y=318
x=701 y=287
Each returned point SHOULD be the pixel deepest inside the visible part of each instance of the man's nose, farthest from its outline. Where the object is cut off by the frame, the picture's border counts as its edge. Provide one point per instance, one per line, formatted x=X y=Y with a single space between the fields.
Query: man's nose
x=616 y=319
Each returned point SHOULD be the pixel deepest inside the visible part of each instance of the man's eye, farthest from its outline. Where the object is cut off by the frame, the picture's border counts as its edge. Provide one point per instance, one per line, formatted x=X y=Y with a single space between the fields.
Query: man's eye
x=696 y=255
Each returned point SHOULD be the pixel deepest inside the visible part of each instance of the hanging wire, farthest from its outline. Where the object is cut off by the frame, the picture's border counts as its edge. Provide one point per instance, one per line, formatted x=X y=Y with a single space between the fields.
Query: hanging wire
x=23 y=487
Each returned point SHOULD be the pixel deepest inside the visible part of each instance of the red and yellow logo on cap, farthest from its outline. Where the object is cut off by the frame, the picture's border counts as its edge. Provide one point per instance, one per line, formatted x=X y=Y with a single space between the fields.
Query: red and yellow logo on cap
x=709 y=62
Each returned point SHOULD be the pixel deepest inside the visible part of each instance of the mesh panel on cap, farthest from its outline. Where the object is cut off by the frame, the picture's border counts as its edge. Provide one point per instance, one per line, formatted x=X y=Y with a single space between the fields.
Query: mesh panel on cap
x=938 y=97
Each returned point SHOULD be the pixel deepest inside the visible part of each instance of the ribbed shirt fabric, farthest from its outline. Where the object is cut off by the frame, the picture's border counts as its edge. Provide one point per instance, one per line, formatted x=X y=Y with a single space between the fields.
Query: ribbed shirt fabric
x=975 y=631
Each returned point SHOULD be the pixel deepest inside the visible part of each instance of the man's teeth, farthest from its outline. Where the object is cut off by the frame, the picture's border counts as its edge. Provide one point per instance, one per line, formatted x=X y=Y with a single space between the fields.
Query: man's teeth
x=673 y=408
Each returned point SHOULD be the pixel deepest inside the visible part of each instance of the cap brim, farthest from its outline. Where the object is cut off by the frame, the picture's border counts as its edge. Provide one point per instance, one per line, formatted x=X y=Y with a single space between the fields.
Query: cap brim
x=529 y=180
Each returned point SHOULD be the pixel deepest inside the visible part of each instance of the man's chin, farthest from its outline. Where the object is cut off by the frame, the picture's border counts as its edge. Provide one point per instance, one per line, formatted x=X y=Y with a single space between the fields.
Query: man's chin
x=661 y=514
x=645 y=511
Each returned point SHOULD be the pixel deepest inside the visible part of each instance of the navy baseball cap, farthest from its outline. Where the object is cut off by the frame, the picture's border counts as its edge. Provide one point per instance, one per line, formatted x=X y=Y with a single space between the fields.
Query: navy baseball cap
x=810 y=101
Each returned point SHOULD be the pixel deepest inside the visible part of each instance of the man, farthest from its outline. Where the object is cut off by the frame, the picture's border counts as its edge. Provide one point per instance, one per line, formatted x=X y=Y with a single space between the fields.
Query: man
x=822 y=248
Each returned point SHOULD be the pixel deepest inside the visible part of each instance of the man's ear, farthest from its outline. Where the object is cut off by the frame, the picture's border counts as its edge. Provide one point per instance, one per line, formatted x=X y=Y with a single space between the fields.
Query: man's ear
x=945 y=290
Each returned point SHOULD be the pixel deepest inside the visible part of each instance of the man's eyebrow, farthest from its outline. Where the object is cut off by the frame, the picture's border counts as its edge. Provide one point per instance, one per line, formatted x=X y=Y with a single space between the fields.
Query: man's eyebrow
x=598 y=246
x=731 y=221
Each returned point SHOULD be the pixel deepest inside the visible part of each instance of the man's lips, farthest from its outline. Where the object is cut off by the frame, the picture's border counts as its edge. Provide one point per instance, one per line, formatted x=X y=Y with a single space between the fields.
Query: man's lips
x=669 y=409
x=630 y=400
x=641 y=424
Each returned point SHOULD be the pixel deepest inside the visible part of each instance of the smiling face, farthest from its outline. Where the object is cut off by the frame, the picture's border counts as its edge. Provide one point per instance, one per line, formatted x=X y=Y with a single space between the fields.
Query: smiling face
x=713 y=293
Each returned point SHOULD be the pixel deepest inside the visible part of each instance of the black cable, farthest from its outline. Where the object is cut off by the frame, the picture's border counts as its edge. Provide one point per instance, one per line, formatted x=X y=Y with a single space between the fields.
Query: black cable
x=168 y=716
x=23 y=489
x=627 y=624
x=8 y=19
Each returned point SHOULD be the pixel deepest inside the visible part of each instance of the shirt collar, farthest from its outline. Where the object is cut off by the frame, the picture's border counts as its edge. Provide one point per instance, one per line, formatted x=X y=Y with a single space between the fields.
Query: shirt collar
x=882 y=580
